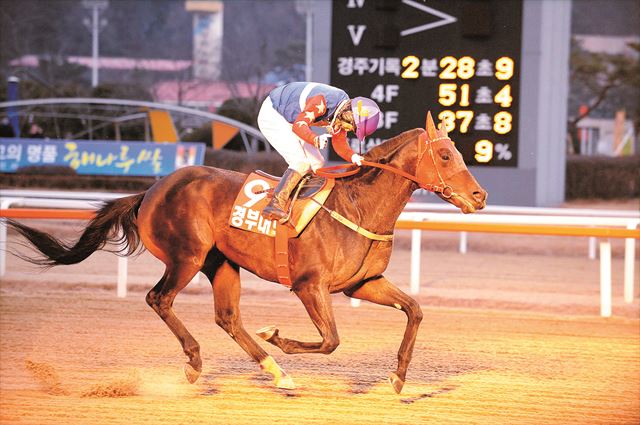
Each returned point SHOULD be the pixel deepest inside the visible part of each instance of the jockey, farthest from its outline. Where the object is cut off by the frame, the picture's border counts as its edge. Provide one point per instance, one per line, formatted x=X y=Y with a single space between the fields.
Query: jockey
x=285 y=117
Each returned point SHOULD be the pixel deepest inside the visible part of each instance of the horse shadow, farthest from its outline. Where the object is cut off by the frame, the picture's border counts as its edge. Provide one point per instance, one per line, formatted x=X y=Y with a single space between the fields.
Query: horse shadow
x=430 y=367
x=210 y=381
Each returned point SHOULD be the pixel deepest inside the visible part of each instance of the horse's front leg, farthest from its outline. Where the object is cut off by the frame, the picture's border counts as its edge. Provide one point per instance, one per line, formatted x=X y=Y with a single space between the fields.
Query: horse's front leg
x=226 y=292
x=317 y=301
x=380 y=291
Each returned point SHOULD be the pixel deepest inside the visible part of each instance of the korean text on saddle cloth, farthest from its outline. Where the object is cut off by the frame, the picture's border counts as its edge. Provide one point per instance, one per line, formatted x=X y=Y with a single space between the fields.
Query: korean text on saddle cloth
x=246 y=213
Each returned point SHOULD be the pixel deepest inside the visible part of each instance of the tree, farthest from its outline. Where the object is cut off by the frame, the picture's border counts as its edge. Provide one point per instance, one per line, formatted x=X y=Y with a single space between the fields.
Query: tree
x=602 y=82
x=29 y=29
x=255 y=46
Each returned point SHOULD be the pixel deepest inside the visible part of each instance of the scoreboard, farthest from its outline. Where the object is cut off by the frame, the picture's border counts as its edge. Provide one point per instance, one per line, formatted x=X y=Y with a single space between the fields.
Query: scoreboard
x=460 y=59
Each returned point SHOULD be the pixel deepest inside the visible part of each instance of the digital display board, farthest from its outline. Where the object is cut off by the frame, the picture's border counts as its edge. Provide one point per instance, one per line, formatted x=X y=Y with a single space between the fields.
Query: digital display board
x=460 y=59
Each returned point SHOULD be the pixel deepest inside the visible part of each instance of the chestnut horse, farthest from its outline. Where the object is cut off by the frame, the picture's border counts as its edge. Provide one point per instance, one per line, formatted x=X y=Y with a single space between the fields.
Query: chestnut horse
x=183 y=221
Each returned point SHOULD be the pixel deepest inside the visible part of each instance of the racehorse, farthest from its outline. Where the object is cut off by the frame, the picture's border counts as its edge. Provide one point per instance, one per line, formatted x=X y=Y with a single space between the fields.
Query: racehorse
x=183 y=221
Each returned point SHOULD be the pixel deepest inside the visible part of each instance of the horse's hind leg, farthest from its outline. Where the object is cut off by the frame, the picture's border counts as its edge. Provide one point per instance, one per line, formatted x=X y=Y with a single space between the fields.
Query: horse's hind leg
x=226 y=293
x=161 y=298
x=383 y=292
x=317 y=301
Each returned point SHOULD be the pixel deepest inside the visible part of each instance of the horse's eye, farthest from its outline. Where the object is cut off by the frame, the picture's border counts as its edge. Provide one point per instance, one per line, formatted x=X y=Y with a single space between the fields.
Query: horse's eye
x=444 y=154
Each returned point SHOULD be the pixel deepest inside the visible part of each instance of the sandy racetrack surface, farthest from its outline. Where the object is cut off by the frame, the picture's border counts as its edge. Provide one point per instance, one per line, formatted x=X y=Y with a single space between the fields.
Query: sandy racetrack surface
x=511 y=335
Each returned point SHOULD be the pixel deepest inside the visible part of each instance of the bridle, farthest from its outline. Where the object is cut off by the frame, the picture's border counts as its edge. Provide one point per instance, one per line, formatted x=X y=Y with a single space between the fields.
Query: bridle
x=420 y=177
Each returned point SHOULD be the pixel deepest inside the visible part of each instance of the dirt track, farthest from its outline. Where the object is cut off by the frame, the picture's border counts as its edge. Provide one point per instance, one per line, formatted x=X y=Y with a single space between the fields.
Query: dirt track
x=512 y=336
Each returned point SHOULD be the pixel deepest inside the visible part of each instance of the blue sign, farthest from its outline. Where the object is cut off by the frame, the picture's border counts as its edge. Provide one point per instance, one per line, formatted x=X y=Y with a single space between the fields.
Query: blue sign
x=100 y=158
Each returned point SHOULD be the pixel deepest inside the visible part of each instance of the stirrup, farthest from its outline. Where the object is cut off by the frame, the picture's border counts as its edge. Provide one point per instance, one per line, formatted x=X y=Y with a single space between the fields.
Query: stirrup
x=281 y=193
x=273 y=211
x=301 y=183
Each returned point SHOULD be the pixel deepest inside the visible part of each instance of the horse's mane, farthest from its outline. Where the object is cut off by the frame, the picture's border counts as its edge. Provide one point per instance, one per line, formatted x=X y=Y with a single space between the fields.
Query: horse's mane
x=389 y=146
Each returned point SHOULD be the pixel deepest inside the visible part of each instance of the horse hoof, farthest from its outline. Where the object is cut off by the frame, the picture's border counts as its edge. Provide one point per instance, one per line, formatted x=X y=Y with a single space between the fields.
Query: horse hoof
x=267 y=332
x=285 y=382
x=396 y=382
x=191 y=374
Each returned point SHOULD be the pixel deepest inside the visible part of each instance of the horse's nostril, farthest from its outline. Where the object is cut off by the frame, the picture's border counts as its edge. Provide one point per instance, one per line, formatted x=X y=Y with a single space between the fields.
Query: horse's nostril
x=480 y=196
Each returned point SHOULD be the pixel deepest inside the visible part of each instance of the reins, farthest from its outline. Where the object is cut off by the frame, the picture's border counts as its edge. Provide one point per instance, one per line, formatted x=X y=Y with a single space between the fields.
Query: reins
x=350 y=169
x=334 y=172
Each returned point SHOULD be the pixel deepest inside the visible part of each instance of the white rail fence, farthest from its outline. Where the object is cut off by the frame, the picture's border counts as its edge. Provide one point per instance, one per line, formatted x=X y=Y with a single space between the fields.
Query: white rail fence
x=414 y=212
x=578 y=222
x=502 y=210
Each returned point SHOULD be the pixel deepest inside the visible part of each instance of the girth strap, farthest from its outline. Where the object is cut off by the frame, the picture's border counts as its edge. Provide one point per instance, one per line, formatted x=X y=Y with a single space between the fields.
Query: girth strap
x=282 y=254
x=283 y=233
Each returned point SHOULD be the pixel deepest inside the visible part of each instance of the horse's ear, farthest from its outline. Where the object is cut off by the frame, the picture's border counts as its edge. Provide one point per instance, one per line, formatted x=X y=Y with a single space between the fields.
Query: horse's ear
x=432 y=132
x=442 y=129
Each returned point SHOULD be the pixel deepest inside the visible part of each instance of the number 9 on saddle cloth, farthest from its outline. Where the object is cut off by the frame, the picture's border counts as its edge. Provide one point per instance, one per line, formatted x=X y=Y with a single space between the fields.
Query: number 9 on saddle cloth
x=307 y=200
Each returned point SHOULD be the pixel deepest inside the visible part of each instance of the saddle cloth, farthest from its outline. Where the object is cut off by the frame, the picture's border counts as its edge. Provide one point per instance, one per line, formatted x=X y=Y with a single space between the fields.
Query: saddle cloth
x=253 y=197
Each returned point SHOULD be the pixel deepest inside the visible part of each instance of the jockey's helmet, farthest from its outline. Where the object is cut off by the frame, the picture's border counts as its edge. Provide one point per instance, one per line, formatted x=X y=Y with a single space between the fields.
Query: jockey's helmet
x=366 y=115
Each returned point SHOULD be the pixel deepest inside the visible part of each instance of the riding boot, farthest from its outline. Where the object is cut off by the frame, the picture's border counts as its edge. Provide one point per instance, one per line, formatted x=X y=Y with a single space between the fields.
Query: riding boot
x=275 y=210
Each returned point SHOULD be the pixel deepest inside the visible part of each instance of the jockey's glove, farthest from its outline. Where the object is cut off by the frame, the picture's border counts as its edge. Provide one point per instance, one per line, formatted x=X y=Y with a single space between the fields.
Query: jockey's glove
x=356 y=159
x=321 y=141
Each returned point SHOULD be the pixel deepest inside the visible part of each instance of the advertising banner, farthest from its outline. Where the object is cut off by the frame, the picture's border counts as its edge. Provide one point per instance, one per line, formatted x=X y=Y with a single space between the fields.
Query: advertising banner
x=100 y=157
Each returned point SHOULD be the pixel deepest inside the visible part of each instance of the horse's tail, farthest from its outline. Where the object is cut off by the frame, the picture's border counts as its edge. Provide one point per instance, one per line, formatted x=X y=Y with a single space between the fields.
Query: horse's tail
x=115 y=222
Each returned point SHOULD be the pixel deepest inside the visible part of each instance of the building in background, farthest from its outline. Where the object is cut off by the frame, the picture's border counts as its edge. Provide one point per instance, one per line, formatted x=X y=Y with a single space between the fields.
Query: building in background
x=207 y=37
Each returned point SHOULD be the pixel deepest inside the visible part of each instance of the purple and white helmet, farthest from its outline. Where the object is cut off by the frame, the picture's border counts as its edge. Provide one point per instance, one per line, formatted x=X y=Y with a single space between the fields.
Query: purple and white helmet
x=366 y=115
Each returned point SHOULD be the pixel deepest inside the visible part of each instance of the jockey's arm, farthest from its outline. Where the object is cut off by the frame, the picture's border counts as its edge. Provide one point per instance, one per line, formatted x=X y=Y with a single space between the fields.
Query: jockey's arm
x=340 y=144
x=316 y=106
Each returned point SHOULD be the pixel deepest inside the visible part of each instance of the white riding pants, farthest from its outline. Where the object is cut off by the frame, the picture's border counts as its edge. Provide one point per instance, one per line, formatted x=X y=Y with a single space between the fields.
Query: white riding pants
x=299 y=155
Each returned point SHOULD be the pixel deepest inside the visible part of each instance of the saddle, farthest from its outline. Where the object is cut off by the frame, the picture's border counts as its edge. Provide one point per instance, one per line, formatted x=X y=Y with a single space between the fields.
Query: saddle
x=305 y=203
x=308 y=186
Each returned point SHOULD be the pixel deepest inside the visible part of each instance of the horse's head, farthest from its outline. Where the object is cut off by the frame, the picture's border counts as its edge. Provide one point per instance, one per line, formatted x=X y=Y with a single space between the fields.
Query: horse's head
x=442 y=170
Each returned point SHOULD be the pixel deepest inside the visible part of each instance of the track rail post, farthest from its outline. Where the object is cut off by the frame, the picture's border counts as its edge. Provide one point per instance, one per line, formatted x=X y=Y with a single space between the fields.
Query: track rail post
x=605 y=278
x=121 y=286
x=416 y=241
x=629 y=257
